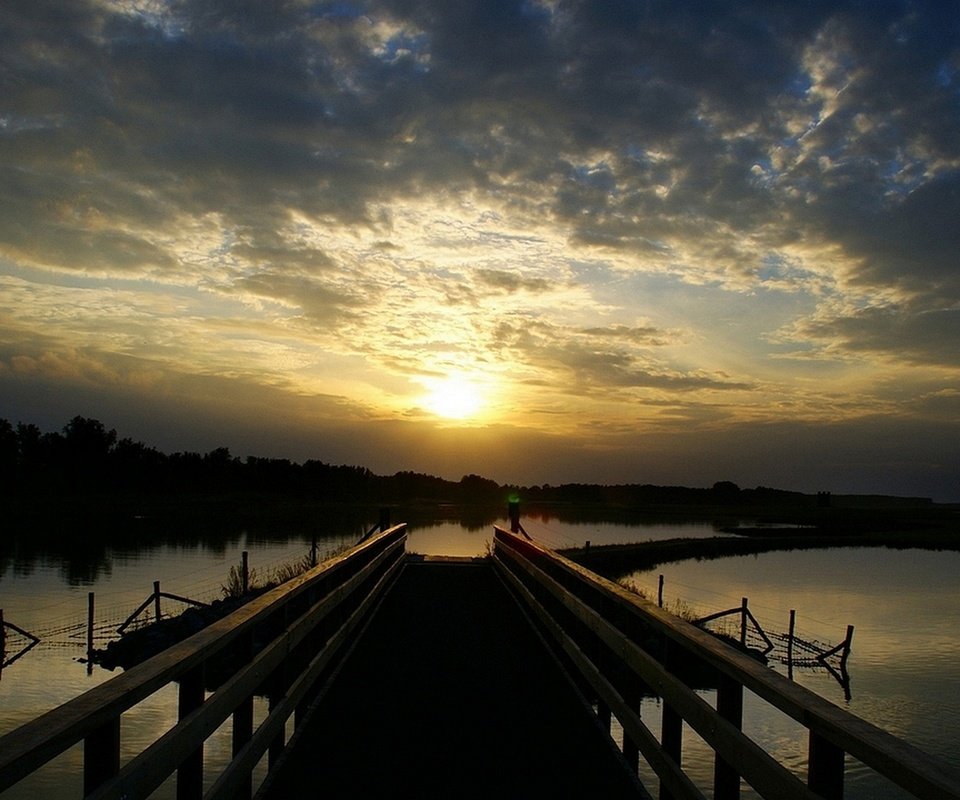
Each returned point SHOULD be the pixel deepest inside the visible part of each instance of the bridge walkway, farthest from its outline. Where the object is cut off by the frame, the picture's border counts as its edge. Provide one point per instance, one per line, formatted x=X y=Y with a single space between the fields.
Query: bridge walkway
x=448 y=693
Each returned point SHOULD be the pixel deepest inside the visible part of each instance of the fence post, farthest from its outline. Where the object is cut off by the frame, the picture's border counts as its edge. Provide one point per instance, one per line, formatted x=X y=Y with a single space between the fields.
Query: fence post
x=313 y=551
x=793 y=623
x=384 y=519
x=660 y=592
x=846 y=648
x=156 y=601
x=90 y=608
x=743 y=622
x=244 y=572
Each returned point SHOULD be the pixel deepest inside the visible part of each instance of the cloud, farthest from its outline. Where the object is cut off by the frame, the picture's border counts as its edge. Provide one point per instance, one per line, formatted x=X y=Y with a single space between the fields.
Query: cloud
x=585 y=362
x=905 y=334
x=375 y=191
x=509 y=282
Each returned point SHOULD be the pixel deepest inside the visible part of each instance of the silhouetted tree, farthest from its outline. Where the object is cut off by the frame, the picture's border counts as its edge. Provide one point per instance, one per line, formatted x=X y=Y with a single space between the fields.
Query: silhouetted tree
x=9 y=456
x=474 y=488
x=84 y=450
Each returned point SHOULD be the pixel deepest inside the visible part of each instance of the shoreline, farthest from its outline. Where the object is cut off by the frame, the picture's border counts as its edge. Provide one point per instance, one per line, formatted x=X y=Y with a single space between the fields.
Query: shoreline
x=613 y=561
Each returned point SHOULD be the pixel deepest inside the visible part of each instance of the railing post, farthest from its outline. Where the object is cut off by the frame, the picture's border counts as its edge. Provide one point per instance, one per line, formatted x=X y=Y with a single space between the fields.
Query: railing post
x=726 y=780
x=384 y=519
x=671 y=729
x=604 y=715
x=101 y=755
x=242 y=733
x=633 y=696
x=277 y=744
x=825 y=768
x=243 y=717
x=513 y=512
x=190 y=772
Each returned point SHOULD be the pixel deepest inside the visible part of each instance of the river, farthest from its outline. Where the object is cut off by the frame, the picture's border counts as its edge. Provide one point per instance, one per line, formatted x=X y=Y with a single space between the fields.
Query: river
x=904 y=606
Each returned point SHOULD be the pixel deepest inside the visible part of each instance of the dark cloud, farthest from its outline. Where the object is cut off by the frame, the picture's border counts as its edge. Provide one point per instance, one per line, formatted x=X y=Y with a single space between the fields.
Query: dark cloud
x=511 y=282
x=584 y=363
x=645 y=335
x=319 y=303
x=922 y=337
x=244 y=108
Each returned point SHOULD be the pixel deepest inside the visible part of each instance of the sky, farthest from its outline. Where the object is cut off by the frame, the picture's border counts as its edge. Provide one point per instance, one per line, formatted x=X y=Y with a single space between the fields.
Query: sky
x=543 y=241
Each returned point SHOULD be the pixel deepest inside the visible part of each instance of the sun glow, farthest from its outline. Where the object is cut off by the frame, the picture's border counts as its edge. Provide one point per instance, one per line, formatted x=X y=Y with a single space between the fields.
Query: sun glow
x=454 y=397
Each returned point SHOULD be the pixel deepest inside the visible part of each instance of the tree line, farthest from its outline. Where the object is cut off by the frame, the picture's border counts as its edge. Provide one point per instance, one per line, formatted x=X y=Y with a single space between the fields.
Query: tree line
x=87 y=457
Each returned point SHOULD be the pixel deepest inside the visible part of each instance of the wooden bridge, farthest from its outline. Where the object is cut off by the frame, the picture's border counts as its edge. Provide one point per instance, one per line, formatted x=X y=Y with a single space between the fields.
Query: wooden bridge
x=390 y=674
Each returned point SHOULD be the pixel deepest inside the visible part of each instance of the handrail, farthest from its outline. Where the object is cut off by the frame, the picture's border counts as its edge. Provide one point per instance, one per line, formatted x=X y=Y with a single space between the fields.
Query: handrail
x=604 y=630
x=321 y=607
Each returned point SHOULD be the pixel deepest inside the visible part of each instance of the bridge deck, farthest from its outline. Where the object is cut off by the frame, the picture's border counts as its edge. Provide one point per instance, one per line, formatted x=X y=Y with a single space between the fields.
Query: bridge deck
x=449 y=692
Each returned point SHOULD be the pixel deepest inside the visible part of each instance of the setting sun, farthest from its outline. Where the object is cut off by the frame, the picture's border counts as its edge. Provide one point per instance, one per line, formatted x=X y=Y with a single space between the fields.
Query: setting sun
x=454 y=397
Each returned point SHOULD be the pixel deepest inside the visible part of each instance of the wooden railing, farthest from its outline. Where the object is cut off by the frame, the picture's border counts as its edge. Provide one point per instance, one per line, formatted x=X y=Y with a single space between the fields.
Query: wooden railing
x=287 y=641
x=620 y=647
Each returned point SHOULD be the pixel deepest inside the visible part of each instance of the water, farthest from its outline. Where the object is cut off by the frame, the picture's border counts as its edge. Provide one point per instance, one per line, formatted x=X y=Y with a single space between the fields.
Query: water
x=904 y=604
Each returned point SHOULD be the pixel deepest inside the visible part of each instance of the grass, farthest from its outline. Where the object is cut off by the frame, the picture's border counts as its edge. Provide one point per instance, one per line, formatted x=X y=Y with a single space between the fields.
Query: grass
x=679 y=608
x=257 y=582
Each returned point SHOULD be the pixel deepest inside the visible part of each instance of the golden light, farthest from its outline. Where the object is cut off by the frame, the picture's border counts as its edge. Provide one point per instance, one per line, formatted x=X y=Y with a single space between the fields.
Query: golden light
x=454 y=397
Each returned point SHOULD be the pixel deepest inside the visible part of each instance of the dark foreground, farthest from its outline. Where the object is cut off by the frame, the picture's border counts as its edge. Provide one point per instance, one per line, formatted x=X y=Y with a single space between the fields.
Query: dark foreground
x=448 y=694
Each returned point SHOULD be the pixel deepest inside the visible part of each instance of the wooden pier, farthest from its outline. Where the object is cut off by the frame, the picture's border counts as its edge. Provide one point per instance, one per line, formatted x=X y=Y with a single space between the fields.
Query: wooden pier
x=394 y=675
x=449 y=693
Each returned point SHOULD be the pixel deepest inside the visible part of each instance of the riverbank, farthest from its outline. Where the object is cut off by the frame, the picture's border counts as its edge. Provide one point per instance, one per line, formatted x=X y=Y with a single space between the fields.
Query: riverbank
x=614 y=561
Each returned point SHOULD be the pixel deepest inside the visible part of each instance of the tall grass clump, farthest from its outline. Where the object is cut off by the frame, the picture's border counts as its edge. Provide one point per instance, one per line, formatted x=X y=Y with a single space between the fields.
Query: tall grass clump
x=233 y=588
x=290 y=569
x=256 y=581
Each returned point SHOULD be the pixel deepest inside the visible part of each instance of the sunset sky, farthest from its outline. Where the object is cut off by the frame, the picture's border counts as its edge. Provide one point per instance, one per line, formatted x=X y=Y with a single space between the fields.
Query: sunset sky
x=539 y=240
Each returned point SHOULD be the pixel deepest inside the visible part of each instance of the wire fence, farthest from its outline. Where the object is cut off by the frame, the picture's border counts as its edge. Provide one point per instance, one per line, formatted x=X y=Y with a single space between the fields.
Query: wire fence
x=109 y=614
x=762 y=630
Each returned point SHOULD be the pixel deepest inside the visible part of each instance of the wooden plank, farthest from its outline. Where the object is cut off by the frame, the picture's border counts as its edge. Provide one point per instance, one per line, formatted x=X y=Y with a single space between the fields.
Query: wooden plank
x=907 y=766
